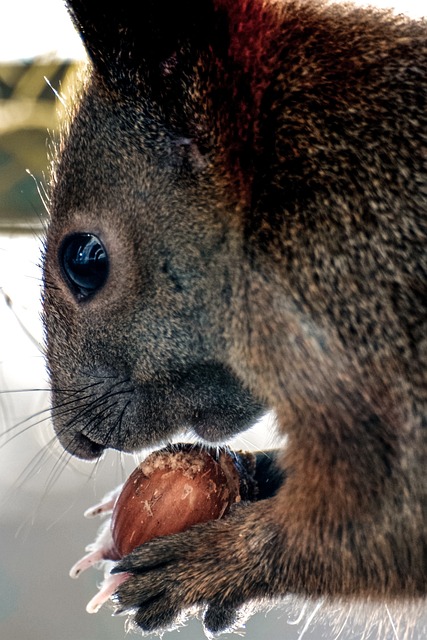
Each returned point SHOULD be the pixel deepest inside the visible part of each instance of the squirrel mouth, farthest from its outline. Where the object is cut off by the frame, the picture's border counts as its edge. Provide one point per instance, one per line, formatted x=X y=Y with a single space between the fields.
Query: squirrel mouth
x=85 y=448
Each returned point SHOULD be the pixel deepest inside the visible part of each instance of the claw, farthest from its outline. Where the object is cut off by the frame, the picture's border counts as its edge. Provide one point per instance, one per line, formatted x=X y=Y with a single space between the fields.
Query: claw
x=105 y=506
x=100 y=550
x=108 y=587
x=118 y=568
x=90 y=559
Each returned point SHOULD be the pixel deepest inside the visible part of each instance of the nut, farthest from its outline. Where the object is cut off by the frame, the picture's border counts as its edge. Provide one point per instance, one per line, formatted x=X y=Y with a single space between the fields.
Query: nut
x=172 y=490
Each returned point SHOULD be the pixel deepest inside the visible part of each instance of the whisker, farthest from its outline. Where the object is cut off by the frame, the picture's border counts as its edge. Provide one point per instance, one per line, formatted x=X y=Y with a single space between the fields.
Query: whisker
x=61 y=463
x=120 y=419
x=57 y=410
x=87 y=409
x=99 y=416
x=90 y=405
x=25 y=429
x=41 y=191
x=35 y=465
x=29 y=390
x=10 y=305
x=95 y=468
x=64 y=459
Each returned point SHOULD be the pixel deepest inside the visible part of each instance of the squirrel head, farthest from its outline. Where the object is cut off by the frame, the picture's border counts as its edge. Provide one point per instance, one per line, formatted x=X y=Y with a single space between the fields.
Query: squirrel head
x=143 y=251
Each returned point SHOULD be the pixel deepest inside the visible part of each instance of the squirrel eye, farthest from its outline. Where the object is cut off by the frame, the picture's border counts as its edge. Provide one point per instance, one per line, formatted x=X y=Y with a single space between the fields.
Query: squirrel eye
x=84 y=264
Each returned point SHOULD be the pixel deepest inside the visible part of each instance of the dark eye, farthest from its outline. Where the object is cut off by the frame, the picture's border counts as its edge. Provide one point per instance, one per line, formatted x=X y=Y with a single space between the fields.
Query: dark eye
x=84 y=264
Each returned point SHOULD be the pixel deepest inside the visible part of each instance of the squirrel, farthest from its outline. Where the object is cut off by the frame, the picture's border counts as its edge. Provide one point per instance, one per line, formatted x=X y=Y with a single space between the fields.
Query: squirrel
x=237 y=225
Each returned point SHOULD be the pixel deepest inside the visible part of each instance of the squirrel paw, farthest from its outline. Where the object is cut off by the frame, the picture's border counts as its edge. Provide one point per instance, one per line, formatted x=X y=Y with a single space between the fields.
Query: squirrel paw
x=209 y=568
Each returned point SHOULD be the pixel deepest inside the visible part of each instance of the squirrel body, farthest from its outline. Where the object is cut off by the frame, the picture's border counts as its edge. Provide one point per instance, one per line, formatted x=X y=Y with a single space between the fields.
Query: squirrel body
x=238 y=224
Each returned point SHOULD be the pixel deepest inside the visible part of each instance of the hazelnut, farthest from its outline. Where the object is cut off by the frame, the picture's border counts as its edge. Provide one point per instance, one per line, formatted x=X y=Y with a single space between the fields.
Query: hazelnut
x=170 y=491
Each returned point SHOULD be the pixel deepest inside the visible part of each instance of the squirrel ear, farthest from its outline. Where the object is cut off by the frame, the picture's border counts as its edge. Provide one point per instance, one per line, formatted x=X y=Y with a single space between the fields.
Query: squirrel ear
x=146 y=32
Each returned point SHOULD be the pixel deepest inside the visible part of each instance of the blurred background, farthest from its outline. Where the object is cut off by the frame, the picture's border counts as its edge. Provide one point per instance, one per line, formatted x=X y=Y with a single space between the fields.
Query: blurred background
x=42 y=492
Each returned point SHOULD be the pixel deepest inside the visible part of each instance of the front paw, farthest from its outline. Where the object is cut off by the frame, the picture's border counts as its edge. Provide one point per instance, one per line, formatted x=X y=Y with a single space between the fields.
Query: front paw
x=211 y=567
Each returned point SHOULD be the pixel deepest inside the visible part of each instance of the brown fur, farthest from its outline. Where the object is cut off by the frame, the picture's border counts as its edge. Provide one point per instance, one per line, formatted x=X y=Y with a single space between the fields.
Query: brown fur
x=256 y=172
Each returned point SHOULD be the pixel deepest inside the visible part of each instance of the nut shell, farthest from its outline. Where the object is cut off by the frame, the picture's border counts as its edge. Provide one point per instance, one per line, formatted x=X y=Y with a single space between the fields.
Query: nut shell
x=170 y=491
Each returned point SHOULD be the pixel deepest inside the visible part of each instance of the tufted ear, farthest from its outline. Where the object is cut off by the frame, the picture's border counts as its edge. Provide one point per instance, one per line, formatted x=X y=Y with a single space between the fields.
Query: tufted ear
x=148 y=31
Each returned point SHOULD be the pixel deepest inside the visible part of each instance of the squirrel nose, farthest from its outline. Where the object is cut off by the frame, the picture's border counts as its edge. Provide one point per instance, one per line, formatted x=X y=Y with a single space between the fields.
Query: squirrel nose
x=81 y=446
